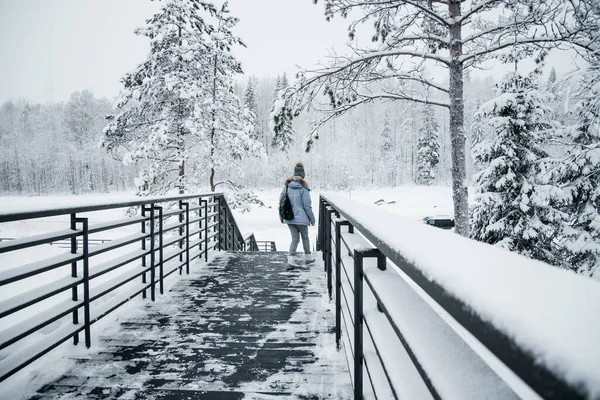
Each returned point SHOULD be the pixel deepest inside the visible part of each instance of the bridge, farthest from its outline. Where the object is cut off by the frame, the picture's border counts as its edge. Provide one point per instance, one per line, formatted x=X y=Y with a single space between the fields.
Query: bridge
x=174 y=302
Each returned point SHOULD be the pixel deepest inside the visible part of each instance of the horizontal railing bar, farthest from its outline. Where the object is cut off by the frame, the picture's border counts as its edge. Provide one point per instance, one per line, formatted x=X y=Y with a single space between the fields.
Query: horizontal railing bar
x=54 y=211
x=170 y=213
x=115 y=263
x=195 y=219
x=36 y=295
x=38 y=267
x=25 y=328
x=196 y=242
x=102 y=310
x=23 y=356
x=212 y=235
x=212 y=225
x=114 y=244
x=44 y=238
x=195 y=231
x=169 y=272
x=105 y=226
x=172 y=254
x=116 y=282
x=195 y=208
x=379 y=353
x=172 y=241
x=174 y=225
x=347 y=303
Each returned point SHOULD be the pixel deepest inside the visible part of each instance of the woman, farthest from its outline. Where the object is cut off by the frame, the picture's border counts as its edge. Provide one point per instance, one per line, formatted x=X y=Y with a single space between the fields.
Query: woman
x=296 y=189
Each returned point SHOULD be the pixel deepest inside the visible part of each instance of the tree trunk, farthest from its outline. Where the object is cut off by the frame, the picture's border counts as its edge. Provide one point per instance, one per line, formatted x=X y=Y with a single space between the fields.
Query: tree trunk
x=181 y=177
x=212 y=179
x=457 y=134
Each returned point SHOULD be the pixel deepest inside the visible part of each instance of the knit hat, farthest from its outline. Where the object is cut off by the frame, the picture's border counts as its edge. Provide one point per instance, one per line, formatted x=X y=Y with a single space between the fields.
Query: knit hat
x=299 y=170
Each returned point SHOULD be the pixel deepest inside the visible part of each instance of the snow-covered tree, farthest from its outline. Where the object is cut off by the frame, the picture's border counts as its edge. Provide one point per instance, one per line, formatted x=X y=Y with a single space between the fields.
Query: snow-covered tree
x=515 y=205
x=251 y=103
x=477 y=132
x=411 y=35
x=579 y=173
x=387 y=160
x=284 y=137
x=428 y=152
x=225 y=124
x=156 y=109
x=179 y=106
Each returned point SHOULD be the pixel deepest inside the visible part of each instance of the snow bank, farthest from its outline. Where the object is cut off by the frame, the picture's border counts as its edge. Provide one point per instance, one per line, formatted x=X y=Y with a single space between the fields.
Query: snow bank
x=547 y=311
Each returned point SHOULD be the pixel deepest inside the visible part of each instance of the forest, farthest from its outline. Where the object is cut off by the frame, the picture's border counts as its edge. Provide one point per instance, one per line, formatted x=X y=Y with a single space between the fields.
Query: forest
x=521 y=152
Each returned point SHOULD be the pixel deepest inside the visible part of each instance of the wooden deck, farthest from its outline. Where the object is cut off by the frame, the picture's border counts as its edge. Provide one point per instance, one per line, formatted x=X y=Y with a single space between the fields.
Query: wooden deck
x=241 y=327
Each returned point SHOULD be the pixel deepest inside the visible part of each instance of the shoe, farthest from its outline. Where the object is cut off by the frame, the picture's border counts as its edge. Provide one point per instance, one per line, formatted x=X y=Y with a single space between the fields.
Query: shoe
x=293 y=261
x=309 y=259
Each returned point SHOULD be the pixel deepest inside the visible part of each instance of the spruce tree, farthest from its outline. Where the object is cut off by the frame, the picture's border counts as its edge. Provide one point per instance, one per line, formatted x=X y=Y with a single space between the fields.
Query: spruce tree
x=428 y=150
x=251 y=103
x=515 y=205
x=283 y=139
x=388 y=159
x=579 y=174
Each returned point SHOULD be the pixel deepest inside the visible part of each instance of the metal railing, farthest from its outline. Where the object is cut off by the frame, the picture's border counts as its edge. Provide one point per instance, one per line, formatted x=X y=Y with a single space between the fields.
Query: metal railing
x=173 y=232
x=347 y=247
x=251 y=244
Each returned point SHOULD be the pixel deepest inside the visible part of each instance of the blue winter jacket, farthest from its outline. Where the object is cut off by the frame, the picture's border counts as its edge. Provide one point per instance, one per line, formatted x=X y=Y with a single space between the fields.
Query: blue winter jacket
x=299 y=195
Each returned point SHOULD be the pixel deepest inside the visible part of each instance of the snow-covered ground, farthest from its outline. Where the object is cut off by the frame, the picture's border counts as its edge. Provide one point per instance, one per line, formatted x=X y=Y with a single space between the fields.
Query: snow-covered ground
x=412 y=202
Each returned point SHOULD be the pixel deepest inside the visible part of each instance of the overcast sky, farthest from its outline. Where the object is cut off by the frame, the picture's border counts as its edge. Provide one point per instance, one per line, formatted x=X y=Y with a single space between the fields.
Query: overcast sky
x=50 y=48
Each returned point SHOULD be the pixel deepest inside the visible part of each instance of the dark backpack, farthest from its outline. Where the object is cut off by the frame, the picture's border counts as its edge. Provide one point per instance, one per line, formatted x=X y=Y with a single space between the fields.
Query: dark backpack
x=287 y=213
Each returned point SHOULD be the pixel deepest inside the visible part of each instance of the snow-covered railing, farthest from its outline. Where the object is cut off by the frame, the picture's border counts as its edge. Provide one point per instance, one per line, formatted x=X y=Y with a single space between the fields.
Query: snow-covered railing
x=173 y=231
x=426 y=314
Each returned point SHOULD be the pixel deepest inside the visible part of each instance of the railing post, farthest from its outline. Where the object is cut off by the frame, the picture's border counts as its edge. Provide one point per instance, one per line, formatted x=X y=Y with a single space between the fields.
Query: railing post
x=205 y=203
x=358 y=325
x=220 y=223
x=328 y=249
x=143 y=207
x=225 y=224
x=200 y=223
x=86 y=281
x=320 y=227
x=160 y=249
x=187 y=238
x=181 y=236
x=74 y=295
x=338 y=280
x=152 y=256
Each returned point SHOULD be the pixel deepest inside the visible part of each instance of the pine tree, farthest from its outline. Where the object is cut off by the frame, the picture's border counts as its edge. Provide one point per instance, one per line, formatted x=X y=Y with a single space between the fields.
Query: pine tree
x=428 y=153
x=478 y=134
x=156 y=108
x=284 y=137
x=251 y=103
x=179 y=106
x=515 y=204
x=388 y=160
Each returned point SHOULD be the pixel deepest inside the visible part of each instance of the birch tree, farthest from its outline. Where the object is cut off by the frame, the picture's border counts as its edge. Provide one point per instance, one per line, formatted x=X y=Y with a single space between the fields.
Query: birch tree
x=411 y=35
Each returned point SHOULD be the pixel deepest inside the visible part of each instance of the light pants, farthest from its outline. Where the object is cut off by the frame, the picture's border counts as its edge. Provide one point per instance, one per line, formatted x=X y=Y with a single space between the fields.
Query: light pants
x=297 y=231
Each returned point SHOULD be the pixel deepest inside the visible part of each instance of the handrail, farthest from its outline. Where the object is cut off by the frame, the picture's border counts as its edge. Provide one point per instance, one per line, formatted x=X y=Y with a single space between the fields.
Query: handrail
x=54 y=211
x=202 y=221
x=412 y=298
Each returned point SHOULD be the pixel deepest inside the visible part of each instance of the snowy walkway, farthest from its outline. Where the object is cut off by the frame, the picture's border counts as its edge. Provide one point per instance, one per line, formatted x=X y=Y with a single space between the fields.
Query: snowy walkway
x=240 y=328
